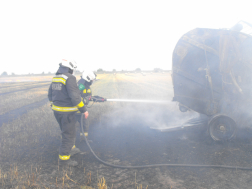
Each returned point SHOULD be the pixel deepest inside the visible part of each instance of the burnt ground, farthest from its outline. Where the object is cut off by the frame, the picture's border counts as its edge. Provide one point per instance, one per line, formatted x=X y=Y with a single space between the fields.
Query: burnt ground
x=127 y=137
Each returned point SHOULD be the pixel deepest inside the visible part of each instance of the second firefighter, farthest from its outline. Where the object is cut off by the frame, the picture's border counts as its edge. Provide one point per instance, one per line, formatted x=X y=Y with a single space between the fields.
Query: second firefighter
x=84 y=84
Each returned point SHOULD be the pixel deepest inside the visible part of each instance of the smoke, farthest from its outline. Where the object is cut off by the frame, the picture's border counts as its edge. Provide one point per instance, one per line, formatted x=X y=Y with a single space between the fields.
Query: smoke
x=155 y=116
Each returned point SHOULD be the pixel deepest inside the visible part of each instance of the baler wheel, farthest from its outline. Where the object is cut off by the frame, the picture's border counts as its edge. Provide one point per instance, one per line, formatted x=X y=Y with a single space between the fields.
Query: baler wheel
x=222 y=128
x=183 y=108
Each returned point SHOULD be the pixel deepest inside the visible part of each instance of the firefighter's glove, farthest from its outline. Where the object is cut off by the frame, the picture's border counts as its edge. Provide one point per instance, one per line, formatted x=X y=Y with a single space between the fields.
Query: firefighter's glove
x=51 y=103
x=85 y=101
x=86 y=114
x=94 y=99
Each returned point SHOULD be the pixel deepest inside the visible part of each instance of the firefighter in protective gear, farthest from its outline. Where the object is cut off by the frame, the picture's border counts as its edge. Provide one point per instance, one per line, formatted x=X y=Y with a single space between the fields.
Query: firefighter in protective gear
x=84 y=84
x=65 y=99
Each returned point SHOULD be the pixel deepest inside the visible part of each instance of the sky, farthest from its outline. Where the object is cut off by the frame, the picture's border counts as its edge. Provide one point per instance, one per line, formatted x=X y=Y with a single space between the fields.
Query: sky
x=123 y=35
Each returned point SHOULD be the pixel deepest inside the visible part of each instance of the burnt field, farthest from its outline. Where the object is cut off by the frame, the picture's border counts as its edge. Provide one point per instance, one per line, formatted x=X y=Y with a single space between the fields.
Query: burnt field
x=122 y=133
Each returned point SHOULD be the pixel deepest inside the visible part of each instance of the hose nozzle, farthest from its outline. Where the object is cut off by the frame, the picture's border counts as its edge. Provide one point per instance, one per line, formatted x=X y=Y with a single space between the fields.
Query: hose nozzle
x=98 y=99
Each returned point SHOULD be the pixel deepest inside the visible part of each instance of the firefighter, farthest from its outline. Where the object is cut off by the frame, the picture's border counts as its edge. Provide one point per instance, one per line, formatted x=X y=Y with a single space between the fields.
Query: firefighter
x=84 y=84
x=65 y=99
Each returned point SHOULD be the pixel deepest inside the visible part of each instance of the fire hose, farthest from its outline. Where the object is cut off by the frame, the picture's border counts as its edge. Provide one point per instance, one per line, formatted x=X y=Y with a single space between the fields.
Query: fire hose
x=100 y=99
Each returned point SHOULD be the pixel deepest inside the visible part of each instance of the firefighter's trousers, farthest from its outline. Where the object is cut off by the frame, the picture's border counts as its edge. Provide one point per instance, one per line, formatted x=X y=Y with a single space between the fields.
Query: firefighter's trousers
x=85 y=122
x=68 y=131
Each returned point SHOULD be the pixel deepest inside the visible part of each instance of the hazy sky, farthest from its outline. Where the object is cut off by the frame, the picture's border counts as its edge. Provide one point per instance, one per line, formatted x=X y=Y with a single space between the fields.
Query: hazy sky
x=35 y=35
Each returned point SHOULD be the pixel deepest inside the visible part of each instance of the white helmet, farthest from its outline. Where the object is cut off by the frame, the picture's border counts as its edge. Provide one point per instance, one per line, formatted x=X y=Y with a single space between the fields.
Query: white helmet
x=88 y=75
x=70 y=64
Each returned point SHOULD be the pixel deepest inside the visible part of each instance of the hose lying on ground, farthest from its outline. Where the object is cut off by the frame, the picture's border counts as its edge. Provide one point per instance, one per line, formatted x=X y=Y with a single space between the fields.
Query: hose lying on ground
x=158 y=165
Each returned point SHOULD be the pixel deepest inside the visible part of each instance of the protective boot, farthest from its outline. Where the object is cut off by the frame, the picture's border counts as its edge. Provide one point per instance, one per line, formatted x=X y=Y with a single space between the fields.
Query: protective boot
x=74 y=151
x=68 y=162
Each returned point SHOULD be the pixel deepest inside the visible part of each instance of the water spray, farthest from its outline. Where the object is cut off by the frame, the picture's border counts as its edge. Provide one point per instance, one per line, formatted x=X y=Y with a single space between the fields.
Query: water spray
x=101 y=99
x=139 y=101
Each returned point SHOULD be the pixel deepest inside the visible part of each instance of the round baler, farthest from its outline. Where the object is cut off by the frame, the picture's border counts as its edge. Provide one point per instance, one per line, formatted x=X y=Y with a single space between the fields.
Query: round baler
x=212 y=75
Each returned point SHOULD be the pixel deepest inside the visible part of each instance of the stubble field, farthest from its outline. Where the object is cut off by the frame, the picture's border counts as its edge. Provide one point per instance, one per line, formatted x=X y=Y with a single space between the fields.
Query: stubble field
x=122 y=133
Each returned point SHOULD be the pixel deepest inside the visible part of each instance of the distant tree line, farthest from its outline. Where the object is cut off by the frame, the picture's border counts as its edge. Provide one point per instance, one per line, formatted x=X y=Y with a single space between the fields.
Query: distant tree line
x=4 y=74
x=100 y=70
x=13 y=74
x=157 y=70
x=136 y=70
